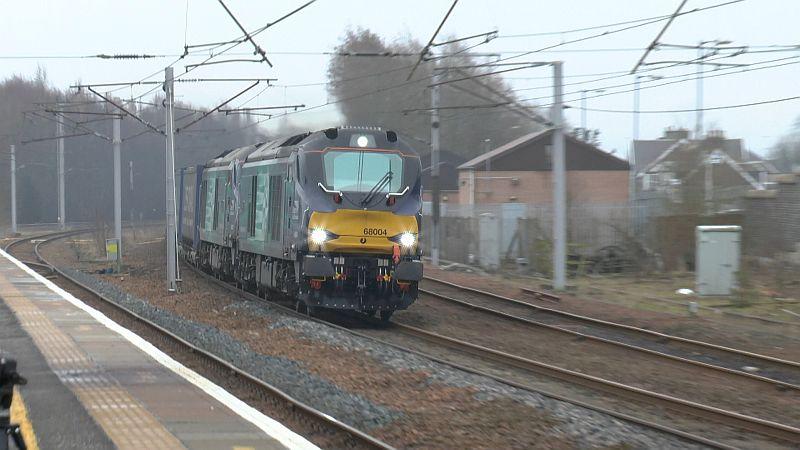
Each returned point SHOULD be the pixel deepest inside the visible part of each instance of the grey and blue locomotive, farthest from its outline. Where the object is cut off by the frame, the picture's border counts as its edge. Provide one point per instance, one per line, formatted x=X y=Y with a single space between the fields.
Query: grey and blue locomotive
x=330 y=218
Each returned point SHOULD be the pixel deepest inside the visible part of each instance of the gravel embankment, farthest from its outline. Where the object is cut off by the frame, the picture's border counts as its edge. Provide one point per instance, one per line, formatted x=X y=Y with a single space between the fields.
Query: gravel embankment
x=285 y=374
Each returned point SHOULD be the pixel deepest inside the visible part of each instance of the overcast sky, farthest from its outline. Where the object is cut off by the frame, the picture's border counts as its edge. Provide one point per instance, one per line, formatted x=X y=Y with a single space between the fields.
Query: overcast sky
x=51 y=33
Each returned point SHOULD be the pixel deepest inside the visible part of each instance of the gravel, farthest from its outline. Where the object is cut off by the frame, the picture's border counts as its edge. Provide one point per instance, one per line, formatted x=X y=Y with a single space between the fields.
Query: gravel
x=588 y=428
x=285 y=374
x=585 y=428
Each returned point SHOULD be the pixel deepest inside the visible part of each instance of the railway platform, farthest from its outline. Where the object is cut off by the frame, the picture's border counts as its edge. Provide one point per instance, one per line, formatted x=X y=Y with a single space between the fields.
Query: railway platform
x=93 y=384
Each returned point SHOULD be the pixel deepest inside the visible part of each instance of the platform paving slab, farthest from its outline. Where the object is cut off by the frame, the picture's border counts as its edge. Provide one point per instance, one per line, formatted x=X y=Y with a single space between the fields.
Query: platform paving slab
x=91 y=387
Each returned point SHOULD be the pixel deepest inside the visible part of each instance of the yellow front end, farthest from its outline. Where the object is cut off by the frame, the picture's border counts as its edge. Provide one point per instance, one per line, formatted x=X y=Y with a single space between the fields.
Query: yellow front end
x=361 y=231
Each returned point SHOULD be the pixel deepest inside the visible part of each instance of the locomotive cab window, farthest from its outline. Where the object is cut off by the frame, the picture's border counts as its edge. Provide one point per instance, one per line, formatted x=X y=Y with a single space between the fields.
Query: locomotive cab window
x=363 y=170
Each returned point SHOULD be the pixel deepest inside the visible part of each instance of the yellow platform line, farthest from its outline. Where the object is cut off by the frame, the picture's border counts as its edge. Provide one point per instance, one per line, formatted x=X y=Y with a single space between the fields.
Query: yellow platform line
x=124 y=420
x=19 y=415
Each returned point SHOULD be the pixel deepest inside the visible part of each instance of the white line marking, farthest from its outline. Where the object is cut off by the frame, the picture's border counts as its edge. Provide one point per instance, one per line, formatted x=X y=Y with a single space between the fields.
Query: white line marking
x=268 y=425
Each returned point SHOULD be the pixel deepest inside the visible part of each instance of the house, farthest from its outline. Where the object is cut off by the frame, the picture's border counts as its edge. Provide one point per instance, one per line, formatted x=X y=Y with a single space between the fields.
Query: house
x=520 y=172
x=646 y=151
x=706 y=175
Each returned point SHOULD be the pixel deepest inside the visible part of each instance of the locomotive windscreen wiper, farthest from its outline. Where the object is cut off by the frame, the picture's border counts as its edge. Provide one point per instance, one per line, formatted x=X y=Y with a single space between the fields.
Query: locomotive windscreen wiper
x=382 y=183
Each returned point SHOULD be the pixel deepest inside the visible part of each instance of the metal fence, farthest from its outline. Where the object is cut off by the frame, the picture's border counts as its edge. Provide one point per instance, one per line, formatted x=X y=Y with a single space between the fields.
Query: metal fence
x=494 y=235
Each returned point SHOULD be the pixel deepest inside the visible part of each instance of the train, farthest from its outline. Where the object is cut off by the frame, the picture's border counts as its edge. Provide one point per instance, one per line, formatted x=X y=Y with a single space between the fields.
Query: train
x=327 y=219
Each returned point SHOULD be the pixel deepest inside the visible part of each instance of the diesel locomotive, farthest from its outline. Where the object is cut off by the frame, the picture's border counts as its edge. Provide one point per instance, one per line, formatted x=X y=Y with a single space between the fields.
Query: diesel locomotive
x=330 y=219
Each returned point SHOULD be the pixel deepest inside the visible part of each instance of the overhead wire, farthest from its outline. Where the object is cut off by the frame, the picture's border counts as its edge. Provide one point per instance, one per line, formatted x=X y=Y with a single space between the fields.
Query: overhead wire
x=727 y=71
x=619 y=30
x=710 y=108
x=427 y=47
x=658 y=36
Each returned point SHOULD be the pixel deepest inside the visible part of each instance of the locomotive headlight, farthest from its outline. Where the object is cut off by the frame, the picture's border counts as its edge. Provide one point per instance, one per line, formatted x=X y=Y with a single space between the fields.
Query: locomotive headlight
x=319 y=236
x=407 y=239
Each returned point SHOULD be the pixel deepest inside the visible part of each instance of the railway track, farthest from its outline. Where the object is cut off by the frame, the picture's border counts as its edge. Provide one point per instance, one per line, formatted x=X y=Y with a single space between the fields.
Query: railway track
x=25 y=246
x=733 y=419
x=334 y=430
x=380 y=326
x=782 y=373
x=766 y=428
x=783 y=433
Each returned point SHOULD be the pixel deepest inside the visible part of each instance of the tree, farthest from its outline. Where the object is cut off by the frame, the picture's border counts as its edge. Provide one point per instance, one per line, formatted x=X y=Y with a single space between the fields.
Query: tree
x=89 y=159
x=372 y=90
x=588 y=135
x=786 y=152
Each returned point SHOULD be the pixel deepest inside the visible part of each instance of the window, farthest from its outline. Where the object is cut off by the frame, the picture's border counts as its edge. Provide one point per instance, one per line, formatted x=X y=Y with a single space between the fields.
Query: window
x=210 y=198
x=259 y=205
x=217 y=183
x=275 y=199
x=251 y=207
x=360 y=171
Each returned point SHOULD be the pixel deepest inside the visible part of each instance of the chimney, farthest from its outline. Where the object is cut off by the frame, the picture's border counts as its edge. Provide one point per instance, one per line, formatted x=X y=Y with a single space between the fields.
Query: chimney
x=675 y=134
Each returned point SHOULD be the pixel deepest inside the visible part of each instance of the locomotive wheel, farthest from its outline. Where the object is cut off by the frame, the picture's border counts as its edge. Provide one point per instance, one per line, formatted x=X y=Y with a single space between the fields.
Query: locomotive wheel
x=300 y=306
x=370 y=313
x=386 y=315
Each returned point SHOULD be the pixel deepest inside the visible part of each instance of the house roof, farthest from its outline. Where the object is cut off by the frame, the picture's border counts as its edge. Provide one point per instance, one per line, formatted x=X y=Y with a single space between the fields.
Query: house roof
x=664 y=155
x=646 y=151
x=686 y=159
x=503 y=149
x=580 y=155
x=759 y=166
x=735 y=169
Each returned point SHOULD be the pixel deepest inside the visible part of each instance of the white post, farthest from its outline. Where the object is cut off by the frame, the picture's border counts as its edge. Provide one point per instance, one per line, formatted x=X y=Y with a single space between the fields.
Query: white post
x=117 y=141
x=583 y=112
x=435 y=169
x=698 y=127
x=172 y=238
x=60 y=157
x=13 y=190
x=636 y=107
x=709 y=185
x=559 y=182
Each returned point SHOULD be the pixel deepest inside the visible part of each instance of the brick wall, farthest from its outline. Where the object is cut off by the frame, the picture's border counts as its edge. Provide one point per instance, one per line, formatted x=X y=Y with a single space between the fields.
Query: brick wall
x=772 y=219
x=447 y=196
x=535 y=187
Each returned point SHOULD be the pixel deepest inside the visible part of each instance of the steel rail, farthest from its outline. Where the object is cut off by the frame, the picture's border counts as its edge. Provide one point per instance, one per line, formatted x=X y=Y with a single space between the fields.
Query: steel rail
x=19 y=241
x=622 y=416
x=662 y=336
x=354 y=433
x=669 y=301
x=764 y=427
x=590 y=337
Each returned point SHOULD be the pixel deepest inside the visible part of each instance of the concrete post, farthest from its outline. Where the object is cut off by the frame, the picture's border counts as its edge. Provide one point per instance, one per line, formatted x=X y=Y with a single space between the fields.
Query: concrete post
x=435 y=200
x=636 y=107
x=13 y=189
x=698 y=127
x=171 y=238
x=61 y=183
x=117 y=141
x=559 y=182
